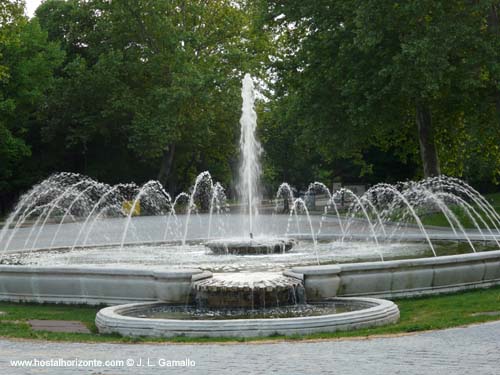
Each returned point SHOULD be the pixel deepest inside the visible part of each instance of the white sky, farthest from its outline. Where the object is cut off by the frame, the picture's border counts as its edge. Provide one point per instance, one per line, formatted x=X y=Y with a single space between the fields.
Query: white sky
x=31 y=6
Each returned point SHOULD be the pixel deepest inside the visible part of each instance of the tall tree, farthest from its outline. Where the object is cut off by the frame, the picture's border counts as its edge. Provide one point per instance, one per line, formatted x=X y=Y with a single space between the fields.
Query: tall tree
x=27 y=64
x=381 y=73
x=165 y=75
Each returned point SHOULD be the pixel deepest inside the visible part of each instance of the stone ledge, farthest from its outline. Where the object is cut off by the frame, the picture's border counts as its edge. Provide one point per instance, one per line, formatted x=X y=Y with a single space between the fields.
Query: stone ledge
x=402 y=278
x=317 y=270
x=96 y=285
x=378 y=312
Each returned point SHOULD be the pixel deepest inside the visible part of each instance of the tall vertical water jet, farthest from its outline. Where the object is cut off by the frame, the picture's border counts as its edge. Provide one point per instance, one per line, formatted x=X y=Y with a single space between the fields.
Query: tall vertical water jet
x=250 y=151
x=248 y=186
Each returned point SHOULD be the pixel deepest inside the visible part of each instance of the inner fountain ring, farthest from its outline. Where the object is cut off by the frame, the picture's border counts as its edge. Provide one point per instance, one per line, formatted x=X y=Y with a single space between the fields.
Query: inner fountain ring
x=194 y=254
x=250 y=246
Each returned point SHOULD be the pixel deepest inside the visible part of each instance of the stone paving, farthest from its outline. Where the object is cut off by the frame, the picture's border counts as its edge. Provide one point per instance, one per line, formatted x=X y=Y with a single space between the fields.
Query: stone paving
x=472 y=350
x=58 y=326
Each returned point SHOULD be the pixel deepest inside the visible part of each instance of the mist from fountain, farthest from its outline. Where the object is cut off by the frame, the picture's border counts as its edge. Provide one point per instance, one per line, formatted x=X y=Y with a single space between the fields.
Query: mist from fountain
x=382 y=214
x=386 y=188
x=150 y=185
x=172 y=214
x=299 y=202
x=102 y=199
x=204 y=176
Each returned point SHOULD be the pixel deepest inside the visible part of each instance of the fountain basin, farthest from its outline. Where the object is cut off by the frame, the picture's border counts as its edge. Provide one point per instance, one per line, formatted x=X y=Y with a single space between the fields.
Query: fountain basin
x=124 y=320
x=187 y=312
x=252 y=246
x=119 y=284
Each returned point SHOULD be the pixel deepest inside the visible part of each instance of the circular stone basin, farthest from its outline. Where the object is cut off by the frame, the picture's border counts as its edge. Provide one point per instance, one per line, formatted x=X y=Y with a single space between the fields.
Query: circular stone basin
x=127 y=321
x=241 y=246
x=248 y=290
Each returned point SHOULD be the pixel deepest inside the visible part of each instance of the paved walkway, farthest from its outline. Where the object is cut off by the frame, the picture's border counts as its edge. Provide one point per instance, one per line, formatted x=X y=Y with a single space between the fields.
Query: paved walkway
x=472 y=350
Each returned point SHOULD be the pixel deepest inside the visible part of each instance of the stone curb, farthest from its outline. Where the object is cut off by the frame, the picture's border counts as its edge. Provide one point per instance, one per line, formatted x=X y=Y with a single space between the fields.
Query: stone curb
x=377 y=312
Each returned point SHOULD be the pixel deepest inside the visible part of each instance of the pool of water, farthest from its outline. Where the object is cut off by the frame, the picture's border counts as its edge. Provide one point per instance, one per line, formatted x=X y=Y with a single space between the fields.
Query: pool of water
x=196 y=255
x=186 y=312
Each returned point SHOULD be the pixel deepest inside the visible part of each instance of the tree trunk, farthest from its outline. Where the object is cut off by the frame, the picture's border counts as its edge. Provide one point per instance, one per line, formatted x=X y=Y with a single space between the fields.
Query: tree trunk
x=493 y=24
x=3 y=205
x=166 y=164
x=428 y=151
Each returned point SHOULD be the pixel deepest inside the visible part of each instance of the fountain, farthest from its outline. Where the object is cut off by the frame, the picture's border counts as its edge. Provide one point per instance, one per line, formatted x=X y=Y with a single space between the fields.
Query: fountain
x=250 y=246
x=193 y=264
x=248 y=290
x=248 y=188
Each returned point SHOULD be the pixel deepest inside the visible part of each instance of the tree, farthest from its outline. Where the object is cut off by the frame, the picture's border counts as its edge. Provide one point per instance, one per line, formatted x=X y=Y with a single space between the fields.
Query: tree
x=27 y=64
x=384 y=73
x=162 y=78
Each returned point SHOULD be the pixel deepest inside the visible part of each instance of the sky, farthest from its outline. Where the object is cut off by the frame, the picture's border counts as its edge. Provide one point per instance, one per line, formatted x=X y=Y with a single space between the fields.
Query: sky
x=31 y=6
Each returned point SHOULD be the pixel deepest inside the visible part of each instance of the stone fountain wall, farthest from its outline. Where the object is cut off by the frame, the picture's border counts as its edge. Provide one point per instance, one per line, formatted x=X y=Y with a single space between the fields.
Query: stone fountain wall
x=401 y=278
x=96 y=286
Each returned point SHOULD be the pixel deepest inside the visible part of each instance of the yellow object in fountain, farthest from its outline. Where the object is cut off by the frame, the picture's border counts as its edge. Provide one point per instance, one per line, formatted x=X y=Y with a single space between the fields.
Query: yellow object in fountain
x=128 y=205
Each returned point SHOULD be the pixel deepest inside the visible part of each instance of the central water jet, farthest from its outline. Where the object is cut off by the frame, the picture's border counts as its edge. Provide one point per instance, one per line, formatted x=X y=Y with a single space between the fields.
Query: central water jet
x=248 y=187
x=250 y=150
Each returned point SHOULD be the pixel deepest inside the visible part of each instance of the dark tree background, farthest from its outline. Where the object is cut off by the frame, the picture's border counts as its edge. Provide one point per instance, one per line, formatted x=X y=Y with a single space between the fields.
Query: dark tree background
x=355 y=91
x=386 y=89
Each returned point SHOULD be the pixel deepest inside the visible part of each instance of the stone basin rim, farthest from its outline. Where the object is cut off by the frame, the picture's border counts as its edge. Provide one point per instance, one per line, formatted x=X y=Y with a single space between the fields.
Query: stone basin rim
x=378 y=312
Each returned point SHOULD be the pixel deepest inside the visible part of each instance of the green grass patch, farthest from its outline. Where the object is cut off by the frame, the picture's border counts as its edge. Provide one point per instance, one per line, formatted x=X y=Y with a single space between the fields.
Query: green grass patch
x=417 y=314
x=494 y=199
x=438 y=219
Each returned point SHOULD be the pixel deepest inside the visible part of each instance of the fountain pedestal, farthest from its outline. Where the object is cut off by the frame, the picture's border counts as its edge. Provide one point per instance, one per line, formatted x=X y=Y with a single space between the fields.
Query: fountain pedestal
x=248 y=290
x=251 y=246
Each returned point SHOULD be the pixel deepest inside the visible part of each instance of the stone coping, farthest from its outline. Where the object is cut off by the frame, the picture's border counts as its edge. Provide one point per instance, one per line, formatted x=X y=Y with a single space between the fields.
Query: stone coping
x=401 y=278
x=158 y=273
x=114 y=320
x=96 y=285
x=397 y=264
x=71 y=284
x=317 y=270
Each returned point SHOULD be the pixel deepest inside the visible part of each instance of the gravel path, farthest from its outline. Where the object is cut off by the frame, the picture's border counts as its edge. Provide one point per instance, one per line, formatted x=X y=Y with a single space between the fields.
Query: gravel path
x=471 y=350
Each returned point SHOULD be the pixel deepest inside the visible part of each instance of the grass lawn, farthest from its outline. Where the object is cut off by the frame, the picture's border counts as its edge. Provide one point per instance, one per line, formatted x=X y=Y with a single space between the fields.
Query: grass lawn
x=494 y=199
x=417 y=314
x=438 y=219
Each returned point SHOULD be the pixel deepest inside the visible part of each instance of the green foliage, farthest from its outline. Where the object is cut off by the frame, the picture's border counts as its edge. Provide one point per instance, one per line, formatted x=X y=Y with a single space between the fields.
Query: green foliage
x=350 y=75
x=27 y=63
x=156 y=77
x=135 y=90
